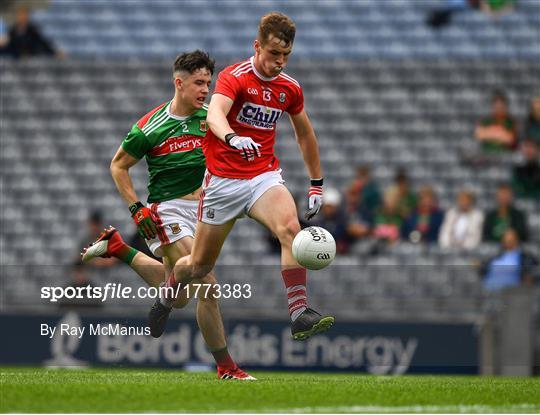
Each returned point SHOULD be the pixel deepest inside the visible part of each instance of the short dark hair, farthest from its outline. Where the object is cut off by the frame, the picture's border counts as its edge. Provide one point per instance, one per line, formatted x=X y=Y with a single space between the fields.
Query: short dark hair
x=363 y=170
x=278 y=24
x=499 y=95
x=504 y=186
x=95 y=216
x=193 y=61
x=401 y=176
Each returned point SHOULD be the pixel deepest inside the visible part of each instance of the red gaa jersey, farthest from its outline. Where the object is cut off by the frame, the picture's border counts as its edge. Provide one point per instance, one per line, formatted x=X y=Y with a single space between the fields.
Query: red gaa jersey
x=259 y=102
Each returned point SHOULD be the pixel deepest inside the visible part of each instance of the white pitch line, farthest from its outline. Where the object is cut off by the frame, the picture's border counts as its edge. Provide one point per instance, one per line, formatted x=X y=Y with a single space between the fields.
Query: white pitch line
x=530 y=408
x=522 y=408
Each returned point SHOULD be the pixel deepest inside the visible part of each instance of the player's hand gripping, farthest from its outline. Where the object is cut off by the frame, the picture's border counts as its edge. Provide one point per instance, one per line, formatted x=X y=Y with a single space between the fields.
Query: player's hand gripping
x=314 y=198
x=143 y=218
x=247 y=147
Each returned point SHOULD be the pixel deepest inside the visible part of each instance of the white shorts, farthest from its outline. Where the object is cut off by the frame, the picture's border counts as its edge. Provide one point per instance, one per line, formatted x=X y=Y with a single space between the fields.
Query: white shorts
x=175 y=219
x=225 y=199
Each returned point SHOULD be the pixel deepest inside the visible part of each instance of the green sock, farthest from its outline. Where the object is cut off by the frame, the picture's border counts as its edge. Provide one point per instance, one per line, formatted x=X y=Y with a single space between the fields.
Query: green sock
x=125 y=253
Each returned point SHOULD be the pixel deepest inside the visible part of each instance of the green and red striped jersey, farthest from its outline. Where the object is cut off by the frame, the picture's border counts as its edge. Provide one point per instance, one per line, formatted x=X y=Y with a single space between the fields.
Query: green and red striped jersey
x=172 y=148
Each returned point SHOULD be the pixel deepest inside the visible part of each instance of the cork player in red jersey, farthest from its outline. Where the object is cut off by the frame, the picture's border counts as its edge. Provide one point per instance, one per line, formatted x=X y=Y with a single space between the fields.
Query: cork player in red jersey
x=243 y=175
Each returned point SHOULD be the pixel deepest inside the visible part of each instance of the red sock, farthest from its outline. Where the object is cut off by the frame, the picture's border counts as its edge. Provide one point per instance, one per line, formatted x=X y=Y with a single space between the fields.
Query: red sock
x=119 y=249
x=167 y=296
x=223 y=358
x=295 y=281
x=171 y=281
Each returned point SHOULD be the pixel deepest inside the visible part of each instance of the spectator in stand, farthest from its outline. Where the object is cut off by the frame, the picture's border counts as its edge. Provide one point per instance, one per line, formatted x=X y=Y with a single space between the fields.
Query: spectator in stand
x=443 y=16
x=504 y=216
x=462 y=225
x=358 y=227
x=406 y=199
x=424 y=222
x=532 y=123
x=526 y=176
x=332 y=217
x=25 y=39
x=512 y=267
x=497 y=8
x=363 y=196
x=497 y=133
x=388 y=220
x=362 y=200
x=3 y=34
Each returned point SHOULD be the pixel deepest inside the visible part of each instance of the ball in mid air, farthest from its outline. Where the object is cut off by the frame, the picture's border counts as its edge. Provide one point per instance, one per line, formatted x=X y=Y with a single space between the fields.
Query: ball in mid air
x=314 y=248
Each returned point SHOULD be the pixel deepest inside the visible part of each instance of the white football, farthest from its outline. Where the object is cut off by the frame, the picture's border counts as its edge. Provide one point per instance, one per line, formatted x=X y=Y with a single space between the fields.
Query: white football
x=314 y=247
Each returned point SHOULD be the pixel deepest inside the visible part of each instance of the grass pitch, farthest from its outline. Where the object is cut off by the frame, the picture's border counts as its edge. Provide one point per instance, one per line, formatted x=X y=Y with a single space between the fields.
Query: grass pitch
x=130 y=390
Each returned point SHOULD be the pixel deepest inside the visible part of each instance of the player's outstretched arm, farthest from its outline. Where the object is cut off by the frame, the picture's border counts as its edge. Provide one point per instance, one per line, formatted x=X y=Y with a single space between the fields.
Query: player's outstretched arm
x=219 y=107
x=120 y=165
x=307 y=141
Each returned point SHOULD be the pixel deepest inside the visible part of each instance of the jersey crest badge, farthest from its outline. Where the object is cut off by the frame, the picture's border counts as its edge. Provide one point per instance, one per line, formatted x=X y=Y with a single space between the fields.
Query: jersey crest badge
x=210 y=213
x=203 y=126
x=175 y=228
x=282 y=97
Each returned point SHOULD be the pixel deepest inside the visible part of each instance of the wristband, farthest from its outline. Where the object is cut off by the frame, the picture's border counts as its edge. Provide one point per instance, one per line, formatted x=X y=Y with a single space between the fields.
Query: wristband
x=135 y=207
x=229 y=137
x=316 y=182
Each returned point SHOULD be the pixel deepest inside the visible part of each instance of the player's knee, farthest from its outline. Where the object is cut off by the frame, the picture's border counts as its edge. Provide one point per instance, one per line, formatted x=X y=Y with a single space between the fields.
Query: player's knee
x=209 y=278
x=191 y=269
x=287 y=231
x=184 y=271
x=184 y=261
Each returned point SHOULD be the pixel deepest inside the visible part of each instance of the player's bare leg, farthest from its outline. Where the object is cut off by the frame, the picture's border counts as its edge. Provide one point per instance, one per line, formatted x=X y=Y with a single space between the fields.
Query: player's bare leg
x=276 y=210
x=204 y=253
x=110 y=244
x=208 y=314
x=153 y=272
x=149 y=269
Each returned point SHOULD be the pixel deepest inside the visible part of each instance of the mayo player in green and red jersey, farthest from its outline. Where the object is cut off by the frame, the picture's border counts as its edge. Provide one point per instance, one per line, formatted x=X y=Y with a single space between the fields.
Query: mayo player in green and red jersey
x=170 y=138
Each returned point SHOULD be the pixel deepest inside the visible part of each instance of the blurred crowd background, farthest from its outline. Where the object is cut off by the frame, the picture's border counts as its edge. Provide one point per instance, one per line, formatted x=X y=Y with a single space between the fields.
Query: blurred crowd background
x=428 y=119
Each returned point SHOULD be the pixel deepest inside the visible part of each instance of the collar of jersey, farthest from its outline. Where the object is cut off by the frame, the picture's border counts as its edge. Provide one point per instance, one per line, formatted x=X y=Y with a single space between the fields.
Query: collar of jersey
x=259 y=75
x=177 y=117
